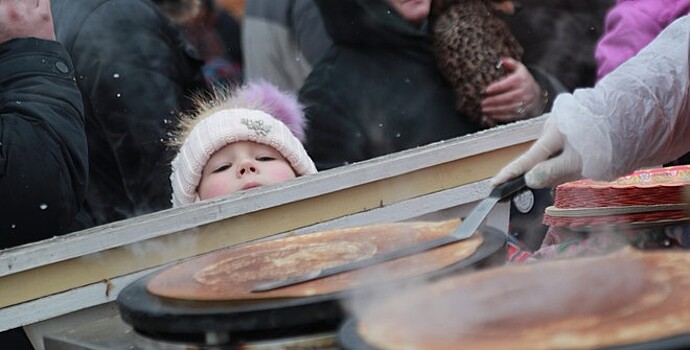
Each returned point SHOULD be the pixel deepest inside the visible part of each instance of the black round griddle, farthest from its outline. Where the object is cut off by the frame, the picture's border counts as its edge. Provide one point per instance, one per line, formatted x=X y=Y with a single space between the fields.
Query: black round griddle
x=171 y=319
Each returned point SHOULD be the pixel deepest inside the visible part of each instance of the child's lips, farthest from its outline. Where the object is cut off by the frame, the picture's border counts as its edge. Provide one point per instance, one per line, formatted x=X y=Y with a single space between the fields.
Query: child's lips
x=249 y=185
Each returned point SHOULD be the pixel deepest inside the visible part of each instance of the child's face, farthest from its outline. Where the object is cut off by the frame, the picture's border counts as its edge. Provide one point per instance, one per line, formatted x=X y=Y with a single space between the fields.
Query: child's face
x=240 y=166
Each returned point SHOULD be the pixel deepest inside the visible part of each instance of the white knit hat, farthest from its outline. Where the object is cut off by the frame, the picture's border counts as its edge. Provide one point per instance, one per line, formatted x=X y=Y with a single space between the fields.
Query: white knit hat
x=225 y=126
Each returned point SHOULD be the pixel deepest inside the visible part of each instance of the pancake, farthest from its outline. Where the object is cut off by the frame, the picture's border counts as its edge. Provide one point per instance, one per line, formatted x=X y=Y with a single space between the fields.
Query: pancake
x=625 y=298
x=644 y=197
x=230 y=274
x=288 y=261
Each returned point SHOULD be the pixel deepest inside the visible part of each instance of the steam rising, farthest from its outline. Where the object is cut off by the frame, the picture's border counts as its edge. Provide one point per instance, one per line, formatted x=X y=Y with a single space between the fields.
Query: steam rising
x=502 y=301
x=161 y=250
x=165 y=248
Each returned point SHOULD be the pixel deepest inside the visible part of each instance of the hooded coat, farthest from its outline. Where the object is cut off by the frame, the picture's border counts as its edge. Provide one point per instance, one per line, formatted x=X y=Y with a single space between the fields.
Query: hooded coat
x=377 y=90
x=43 y=154
x=135 y=72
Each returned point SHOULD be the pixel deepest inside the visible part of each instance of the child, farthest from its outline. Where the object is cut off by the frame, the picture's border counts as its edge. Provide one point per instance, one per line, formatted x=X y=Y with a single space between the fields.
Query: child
x=238 y=141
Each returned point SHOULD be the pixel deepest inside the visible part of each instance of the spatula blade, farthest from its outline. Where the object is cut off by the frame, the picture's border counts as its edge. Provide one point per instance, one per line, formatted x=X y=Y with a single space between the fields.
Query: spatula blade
x=464 y=231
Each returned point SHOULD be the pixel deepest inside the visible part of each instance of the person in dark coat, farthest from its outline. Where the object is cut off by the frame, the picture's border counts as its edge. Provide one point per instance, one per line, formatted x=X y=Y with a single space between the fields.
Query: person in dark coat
x=136 y=72
x=43 y=151
x=377 y=90
x=560 y=37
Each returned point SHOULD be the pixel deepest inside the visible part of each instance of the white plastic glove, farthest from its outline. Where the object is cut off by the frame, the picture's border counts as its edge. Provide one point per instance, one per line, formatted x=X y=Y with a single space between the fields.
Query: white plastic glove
x=636 y=116
x=540 y=169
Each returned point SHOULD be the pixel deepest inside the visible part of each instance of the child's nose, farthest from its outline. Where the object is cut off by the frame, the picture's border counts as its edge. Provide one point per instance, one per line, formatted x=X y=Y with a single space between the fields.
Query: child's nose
x=246 y=166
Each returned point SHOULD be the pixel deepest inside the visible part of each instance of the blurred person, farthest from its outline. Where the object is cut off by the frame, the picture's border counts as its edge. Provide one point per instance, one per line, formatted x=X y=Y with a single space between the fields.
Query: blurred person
x=228 y=26
x=636 y=116
x=234 y=8
x=630 y=25
x=214 y=33
x=559 y=37
x=238 y=140
x=135 y=71
x=474 y=48
x=43 y=151
x=378 y=89
x=281 y=41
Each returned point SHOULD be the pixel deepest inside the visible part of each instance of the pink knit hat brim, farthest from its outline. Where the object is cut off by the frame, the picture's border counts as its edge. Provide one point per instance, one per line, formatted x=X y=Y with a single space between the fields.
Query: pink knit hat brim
x=225 y=127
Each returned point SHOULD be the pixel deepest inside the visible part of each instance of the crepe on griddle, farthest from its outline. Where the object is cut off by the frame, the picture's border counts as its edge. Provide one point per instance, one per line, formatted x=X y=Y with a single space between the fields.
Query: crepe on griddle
x=230 y=274
x=628 y=297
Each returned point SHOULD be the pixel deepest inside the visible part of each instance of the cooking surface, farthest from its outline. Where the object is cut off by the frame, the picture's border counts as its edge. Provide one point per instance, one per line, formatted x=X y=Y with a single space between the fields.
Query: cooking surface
x=627 y=298
x=230 y=274
x=155 y=314
x=350 y=339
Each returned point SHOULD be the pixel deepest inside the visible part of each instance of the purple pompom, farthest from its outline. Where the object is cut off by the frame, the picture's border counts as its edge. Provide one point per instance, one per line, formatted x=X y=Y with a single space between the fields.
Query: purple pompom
x=280 y=105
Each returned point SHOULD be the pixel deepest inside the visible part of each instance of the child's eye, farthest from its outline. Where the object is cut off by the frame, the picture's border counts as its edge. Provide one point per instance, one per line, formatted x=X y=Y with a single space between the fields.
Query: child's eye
x=265 y=159
x=222 y=168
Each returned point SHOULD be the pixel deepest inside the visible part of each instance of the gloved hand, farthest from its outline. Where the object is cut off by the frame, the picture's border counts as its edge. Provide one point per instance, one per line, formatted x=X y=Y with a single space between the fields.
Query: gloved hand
x=540 y=169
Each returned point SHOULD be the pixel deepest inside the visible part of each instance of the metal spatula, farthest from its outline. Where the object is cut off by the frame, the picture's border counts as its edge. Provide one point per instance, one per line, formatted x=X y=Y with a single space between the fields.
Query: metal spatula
x=464 y=231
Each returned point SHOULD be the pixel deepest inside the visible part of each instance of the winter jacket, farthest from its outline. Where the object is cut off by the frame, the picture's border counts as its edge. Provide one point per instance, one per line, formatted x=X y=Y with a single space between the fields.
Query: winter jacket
x=378 y=89
x=630 y=25
x=282 y=40
x=43 y=151
x=135 y=72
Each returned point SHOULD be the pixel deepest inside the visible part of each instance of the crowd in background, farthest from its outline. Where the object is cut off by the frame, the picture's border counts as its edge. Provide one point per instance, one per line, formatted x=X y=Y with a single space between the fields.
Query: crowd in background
x=364 y=70
x=93 y=90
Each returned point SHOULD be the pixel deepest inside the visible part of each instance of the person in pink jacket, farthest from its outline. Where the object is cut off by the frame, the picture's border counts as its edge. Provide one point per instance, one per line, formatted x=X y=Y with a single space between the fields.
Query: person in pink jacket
x=632 y=24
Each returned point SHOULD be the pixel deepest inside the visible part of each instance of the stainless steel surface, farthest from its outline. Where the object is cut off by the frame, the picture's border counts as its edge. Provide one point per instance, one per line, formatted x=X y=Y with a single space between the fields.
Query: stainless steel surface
x=465 y=230
x=112 y=333
x=107 y=333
